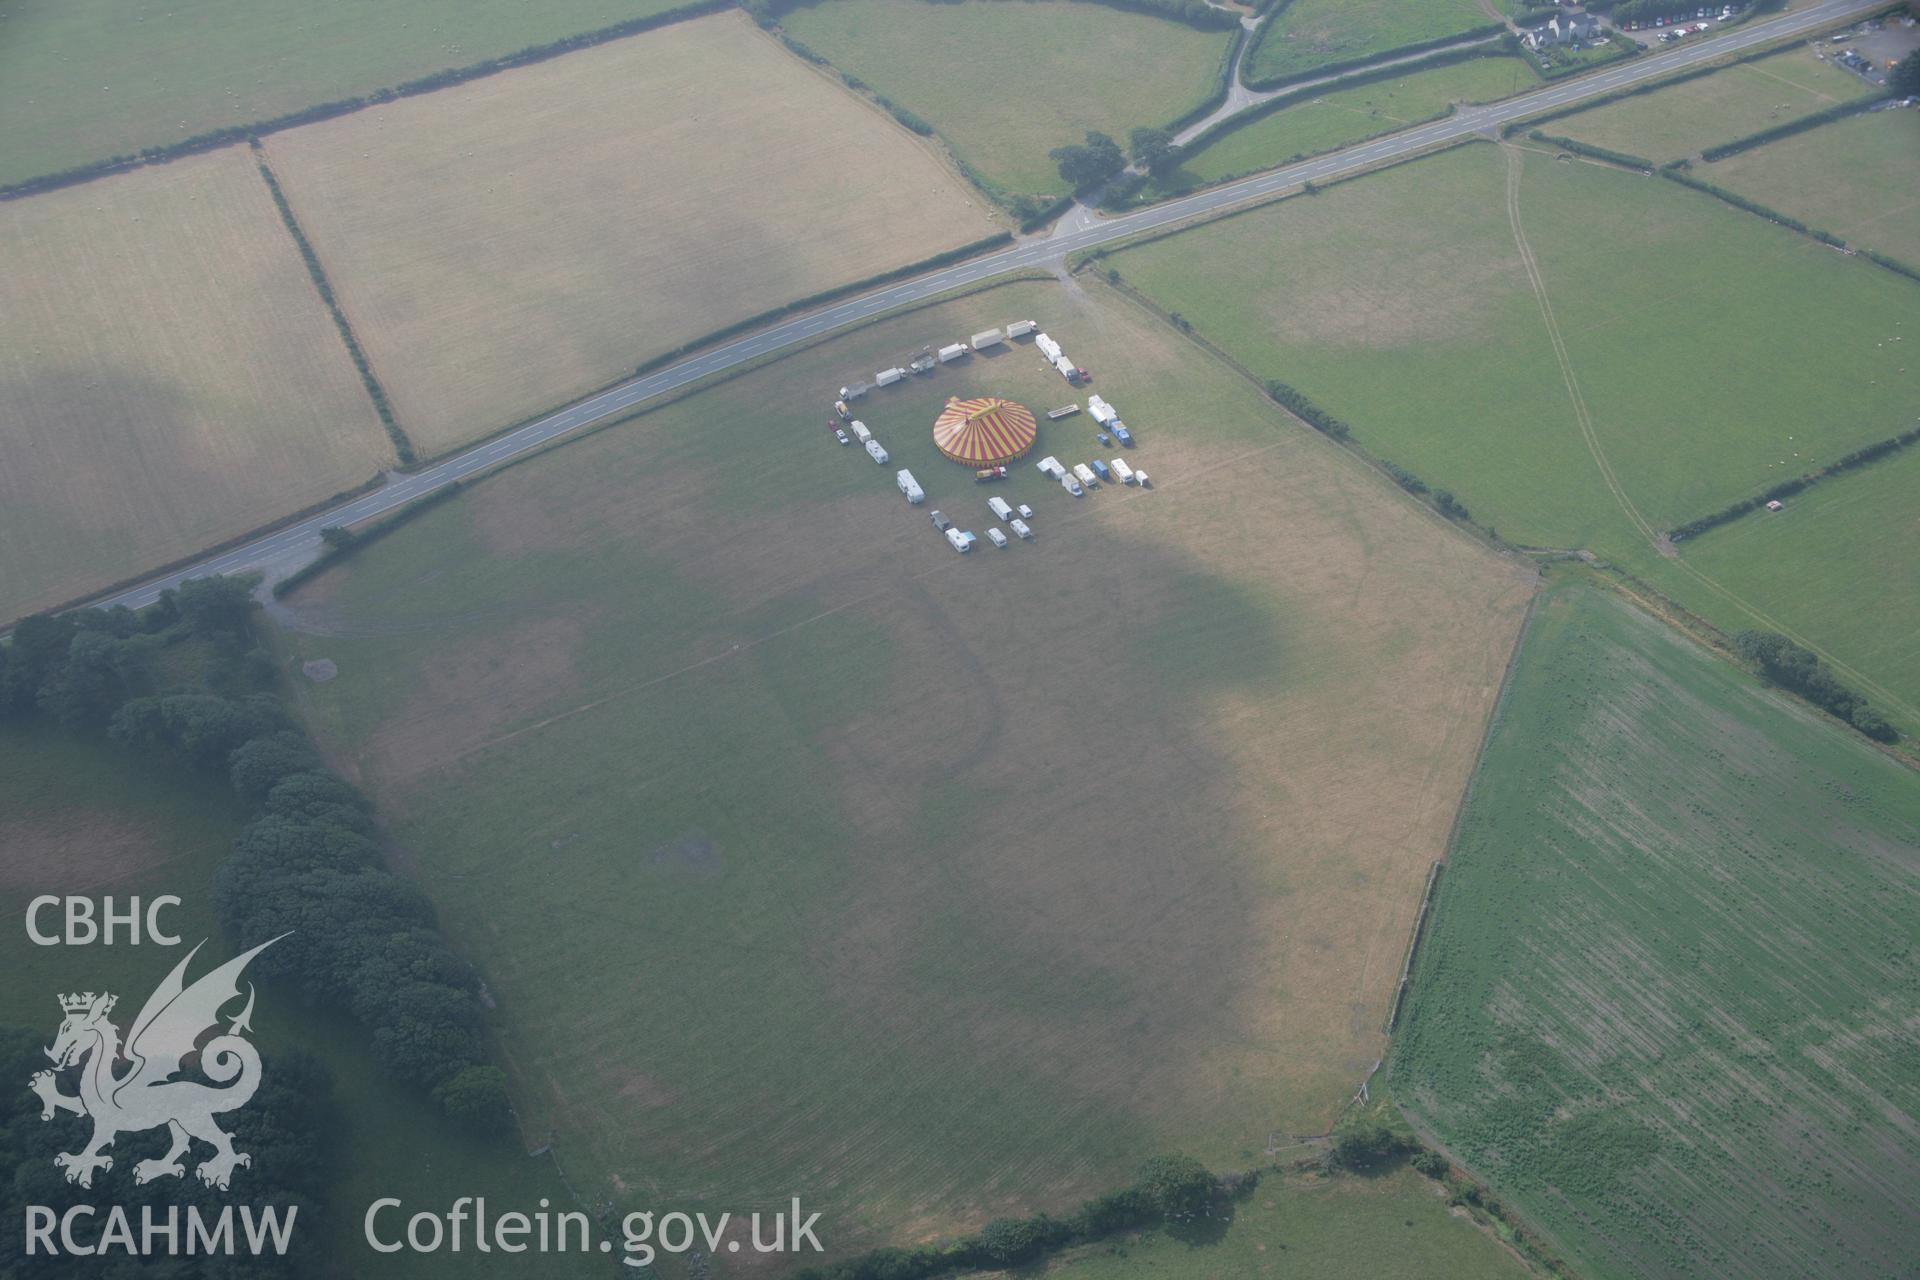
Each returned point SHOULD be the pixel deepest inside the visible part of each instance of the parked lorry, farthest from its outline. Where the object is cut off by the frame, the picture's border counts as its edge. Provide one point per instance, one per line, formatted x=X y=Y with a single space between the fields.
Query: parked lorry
x=1020 y=328
x=1071 y=485
x=1048 y=347
x=1000 y=508
x=1121 y=433
x=887 y=377
x=855 y=391
x=939 y=519
x=1068 y=370
x=986 y=474
x=910 y=487
x=991 y=338
x=840 y=407
x=875 y=452
x=1122 y=470
x=1100 y=469
x=1020 y=527
x=951 y=353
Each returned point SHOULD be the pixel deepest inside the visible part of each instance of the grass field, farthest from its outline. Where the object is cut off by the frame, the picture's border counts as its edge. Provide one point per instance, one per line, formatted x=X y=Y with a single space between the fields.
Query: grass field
x=1667 y=1001
x=1847 y=548
x=990 y=75
x=1393 y=1227
x=1312 y=33
x=1351 y=115
x=84 y=80
x=78 y=816
x=806 y=856
x=1401 y=304
x=1855 y=178
x=510 y=244
x=1685 y=118
x=168 y=378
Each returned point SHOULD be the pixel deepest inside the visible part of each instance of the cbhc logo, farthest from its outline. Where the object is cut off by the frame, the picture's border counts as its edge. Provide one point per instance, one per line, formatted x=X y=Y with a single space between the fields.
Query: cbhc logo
x=83 y=925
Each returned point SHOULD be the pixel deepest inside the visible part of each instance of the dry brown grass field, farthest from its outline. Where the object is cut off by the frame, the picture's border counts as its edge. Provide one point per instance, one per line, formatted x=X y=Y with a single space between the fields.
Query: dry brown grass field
x=507 y=245
x=168 y=377
x=804 y=855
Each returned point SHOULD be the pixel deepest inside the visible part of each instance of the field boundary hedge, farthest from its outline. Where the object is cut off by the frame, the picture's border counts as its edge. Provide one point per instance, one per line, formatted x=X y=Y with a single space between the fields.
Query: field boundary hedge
x=1841 y=111
x=1677 y=172
x=1578 y=148
x=402 y=447
x=214 y=139
x=350 y=542
x=1485 y=32
x=1799 y=484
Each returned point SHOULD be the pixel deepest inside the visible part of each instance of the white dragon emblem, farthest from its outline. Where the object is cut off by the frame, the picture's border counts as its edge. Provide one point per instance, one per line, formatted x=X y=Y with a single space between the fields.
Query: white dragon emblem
x=146 y=1095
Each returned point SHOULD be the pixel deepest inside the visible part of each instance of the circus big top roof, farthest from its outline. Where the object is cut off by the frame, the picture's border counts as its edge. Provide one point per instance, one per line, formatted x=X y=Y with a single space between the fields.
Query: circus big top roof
x=984 y=432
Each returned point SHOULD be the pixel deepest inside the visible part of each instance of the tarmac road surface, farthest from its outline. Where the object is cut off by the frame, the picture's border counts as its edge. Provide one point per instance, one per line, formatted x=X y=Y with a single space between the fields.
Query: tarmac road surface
x=298 y=543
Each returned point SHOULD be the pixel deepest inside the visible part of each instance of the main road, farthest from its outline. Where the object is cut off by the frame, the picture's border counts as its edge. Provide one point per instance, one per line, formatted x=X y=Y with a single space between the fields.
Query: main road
x=299 y=542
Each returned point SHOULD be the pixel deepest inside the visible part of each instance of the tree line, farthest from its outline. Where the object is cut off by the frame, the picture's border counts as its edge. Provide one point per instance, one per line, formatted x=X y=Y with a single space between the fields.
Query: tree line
x=1795 y=667
x=363 y=940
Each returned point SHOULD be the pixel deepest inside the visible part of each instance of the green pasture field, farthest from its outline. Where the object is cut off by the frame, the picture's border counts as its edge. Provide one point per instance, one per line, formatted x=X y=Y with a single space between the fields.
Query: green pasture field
x=805 y=856
x=1312 y=33
x=1846 y=545
x=1855 y=178
x=84 y=80
x=1685 y=118
x=80 y=816
x=1351 y=115
x=1400 y=304
x=1666 y=1000
x=1004 y=83
x=1396 y=1226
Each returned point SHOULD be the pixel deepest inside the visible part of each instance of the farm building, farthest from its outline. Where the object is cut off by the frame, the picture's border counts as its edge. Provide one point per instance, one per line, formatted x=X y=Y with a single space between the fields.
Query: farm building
x=984 y=432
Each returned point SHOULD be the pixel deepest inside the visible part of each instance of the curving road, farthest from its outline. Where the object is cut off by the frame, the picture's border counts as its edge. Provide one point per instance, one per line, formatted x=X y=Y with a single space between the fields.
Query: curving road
x=300 y=542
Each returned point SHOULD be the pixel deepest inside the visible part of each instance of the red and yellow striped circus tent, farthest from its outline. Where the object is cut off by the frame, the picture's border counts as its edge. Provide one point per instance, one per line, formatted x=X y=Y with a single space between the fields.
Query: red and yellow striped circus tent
x=985 y=432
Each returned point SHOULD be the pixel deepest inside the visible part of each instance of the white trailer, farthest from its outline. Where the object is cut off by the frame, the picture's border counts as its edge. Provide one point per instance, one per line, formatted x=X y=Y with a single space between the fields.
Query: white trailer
x=949 y=354
x=961 y=542
x=991 y=338
x=887 y=377
x=997 y=538
x=910 y=487
x=875 y=452
x=1019 y=328
x=1101 y=411
x=1140 y=478
x=1067 y=368
x=1050 y=466
x=1122 y=472
x=1048 y=347
x=1071 y=485
x=1020 y=527
x=1000 y=508
x=1086 y=475
x=860 y=431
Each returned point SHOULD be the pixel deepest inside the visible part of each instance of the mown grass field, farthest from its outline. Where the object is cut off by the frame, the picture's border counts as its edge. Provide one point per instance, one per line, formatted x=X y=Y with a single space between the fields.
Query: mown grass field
x=1307 y=34
x=507 y=245
x=1401 y=304
x=1667 y=1001
x=80 y=816
x=1847 y=548
x=806 y=856
x=1352 y=115
x=168 y=378
x=1396 y=1226
x=85 y=80
x=1683 y=119
x=1004 y=83
x=1855 y=178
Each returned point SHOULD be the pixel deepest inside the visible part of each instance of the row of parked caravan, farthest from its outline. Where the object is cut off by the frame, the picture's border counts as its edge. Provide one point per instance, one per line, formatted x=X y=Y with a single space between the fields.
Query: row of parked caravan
x=945 y=355
x=1089 y=475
